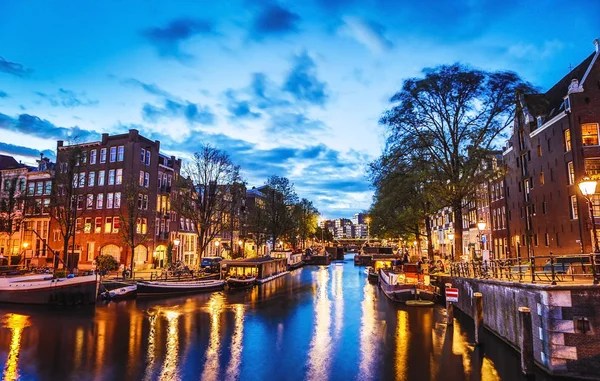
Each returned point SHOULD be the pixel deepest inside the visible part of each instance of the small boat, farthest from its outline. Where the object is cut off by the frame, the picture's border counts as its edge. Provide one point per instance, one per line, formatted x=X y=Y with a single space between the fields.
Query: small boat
x=149 y=288
x=44 y=289
x=372 y=274
x=239 y=282
x=396 y=286
x=419 y=303
x=121 y=293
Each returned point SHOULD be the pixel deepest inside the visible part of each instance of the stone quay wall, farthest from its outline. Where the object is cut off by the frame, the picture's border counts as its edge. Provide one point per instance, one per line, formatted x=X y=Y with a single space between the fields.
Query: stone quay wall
x=565 y=321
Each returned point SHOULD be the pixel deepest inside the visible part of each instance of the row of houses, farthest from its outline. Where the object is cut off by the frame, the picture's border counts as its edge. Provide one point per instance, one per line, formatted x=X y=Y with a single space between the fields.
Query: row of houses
x=536 y=207
x=105 y=168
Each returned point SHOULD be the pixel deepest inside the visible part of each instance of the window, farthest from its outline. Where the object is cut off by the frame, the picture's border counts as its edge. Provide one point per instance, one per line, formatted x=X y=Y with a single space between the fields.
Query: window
x=119 y=179
x=87 y=226
x=108 y=225
x=84 y=157
x=571 y=173
x=39 y=188
x=111 y=177
x=22 y=185
x=31 y=189
x=100 y=201
x=80 y=202
x=574 y=214
x=90 y=201
x=592 y=167
x=109 y=200
x=567 y=133
x=78 y=225
x=98 y=225
x=547 y=239
x=113 y=154
x=140 y=201
x=46 y=206
x=103 y=155
x=145 y=202
x=541 y=178
x=143 y=155
x=141 y=226
x=82 y=180
x=539 y=150
x=100 y=178
x=47 y=187
x=544 y=207
x=93 y=156
x=92 y=179
x=589 y=134
x=526 y=189
x=535 y=240
x=116 y=225
x=148 y=157
x=146 y=179
x=141 y=182
x=121 y=153
x=117 y=200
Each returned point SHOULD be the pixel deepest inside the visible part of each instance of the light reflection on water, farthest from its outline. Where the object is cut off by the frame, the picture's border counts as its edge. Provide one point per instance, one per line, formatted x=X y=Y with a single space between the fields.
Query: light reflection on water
x=319 y=323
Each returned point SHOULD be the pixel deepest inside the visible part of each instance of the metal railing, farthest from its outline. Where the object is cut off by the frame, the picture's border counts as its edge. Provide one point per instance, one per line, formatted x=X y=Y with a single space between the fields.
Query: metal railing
x=539 y=269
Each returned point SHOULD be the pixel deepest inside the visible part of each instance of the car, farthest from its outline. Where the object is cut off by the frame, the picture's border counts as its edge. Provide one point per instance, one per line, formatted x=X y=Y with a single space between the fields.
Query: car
x=211 y=264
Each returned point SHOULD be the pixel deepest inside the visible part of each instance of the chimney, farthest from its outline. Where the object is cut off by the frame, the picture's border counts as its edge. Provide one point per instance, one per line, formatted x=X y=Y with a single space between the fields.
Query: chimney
x=596 y=43
x=59 y=143
x=104 y=139
x=574 y=86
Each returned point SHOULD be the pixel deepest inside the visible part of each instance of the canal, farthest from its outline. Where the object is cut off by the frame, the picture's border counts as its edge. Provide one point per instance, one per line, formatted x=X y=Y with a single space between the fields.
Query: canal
x=317 y=323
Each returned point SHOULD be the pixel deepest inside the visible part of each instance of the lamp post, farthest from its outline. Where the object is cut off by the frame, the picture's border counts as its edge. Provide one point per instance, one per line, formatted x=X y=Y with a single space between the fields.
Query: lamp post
x=217 y=243
x=25 y=246
x=176 y=242
x=451 y=238
x=481 y=227
x=587 y=186
x=368 y=219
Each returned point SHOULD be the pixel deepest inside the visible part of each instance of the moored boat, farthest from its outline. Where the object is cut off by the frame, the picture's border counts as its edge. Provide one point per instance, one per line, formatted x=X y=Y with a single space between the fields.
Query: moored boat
x=263 y=269
x=44 y=289
x=372 y=274
x=149 y=288
x=396 y=286
x=121 y=293
x=240 y=282
x=294 y=260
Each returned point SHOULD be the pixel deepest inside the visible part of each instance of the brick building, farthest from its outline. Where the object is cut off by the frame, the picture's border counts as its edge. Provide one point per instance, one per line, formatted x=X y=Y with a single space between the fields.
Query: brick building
x=554 y=143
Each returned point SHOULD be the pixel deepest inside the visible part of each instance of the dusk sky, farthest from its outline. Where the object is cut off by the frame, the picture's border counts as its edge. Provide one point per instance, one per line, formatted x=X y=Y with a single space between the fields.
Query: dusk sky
x=292 y=88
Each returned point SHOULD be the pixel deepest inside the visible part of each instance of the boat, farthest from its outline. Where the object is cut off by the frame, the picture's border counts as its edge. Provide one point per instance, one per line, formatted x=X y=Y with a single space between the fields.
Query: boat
x=396 y=285
x=263 y=269
x=156 y=288
x=372 y=274
x=366 y=255
x=294 y=260
x=121 y=293
x=44 y=289
x=240 y=282
x=269 y=278
x=419 y=303
x=318 y=256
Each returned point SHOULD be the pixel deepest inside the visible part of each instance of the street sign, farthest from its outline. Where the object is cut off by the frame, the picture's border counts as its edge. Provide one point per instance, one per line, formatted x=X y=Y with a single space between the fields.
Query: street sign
x=452 y=294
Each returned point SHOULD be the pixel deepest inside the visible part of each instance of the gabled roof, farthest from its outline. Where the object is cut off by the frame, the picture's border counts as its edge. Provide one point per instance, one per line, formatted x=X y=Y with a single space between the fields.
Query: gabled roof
x=8 y=162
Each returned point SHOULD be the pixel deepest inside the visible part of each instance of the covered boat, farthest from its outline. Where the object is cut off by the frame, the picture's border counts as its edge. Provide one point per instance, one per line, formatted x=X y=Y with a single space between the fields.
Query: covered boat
x=44 y=289
x=396 y=285
x=263 y=269
x=293 y=260
x=149 y=288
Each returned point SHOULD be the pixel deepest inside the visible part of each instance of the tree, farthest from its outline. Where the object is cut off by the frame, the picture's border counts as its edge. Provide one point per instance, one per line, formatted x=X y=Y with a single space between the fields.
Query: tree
x=257 y=223
x=68 y=201
x=322 y=234
x=11 y=213
x=453 y=117
x=206 y=194
x=305 y=218
x=133 y=221
x=280 y=197
x=105 y=262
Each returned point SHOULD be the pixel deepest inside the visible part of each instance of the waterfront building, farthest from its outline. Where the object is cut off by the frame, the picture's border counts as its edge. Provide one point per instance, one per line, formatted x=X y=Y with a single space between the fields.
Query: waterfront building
x=13 y=179
x=555 y=142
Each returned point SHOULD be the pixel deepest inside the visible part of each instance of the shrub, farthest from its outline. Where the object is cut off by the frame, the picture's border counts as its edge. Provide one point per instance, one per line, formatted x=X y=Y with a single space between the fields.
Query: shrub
x=106 y=262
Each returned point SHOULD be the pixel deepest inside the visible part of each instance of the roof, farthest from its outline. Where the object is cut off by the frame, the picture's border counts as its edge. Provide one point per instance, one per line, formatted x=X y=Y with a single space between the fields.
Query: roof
x=550 y=103
x=8 y=162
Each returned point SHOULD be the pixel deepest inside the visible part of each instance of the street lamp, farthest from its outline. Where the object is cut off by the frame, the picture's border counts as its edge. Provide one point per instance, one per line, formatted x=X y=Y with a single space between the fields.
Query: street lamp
x=451 y=238
x=587 y=186
x=481 y=227
x=368 y=219
x=176 y=242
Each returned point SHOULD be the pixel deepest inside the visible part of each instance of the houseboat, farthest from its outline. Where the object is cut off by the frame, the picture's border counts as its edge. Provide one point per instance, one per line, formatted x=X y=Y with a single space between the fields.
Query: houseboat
x=242 y=281
x=263 y=269
x=44 y=289
x=294 y=260
x=317 y=256
x=396 y=285
x=367 y=253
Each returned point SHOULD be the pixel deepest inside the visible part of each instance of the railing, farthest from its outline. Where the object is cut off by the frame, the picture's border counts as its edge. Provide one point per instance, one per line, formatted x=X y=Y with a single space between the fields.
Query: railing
x=571 y=268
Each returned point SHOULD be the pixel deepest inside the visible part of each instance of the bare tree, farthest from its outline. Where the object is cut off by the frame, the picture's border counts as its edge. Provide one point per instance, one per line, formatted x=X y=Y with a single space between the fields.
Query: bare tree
x=206 y=194
x=11 y=210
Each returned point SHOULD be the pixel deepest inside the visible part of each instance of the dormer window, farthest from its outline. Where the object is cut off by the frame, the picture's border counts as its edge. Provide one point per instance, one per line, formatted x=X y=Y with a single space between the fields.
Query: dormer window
x=540 y=121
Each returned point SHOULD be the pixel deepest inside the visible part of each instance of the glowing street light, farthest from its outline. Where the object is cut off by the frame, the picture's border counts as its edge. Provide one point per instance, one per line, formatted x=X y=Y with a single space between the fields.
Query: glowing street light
x=451 y=238
x=587 y=186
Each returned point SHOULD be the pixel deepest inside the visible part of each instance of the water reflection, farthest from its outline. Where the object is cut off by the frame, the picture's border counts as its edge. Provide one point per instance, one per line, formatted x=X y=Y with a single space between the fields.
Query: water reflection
x=338 y=297
x=169 y=369
x=16 y=323
x=233 y=369
x=368 y=334
x=402 y=340
x=150 y=354
x=318 y=355
x=211 y=365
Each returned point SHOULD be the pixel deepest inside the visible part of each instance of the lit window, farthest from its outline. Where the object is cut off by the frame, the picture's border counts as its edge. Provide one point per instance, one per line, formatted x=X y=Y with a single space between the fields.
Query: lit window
x=100 y=201
x=571 y=173
x=141 y=182
x=87 y=227
x=109 y=200
x=98 y=225
x=90 y=201
x=115 y=225
x=91 y=179
x=108 y=225
x=119 y=179
x=117 y=202
x=574 y=214
x=567 y=133
x=111 y=177
x=146 y=179
x=541 y=178
x=589 y=134
x=101 y=178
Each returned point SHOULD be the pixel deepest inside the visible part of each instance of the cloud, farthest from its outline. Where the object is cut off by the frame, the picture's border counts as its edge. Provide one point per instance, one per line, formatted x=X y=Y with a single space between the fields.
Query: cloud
x=14 y=68
x=535 y=52
x=3 y=94
x=167 y=40
x=303 y=84
x=239 y=109
x=274 y=19
x=368 y=33
x=150 y=88
x=67 y=98
x=288 y=123
x=32 y=125
x=11 y=149
x=174 y=109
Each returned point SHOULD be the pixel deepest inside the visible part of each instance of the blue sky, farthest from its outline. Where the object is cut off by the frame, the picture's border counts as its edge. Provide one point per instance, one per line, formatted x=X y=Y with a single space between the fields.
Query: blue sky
x=287 y=88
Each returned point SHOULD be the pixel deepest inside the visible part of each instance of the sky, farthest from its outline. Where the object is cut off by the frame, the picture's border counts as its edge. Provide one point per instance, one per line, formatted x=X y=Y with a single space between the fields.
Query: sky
x=293 y=89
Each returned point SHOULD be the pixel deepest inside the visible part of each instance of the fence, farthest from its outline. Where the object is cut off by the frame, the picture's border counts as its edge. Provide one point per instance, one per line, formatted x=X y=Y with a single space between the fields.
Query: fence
x=570 y=268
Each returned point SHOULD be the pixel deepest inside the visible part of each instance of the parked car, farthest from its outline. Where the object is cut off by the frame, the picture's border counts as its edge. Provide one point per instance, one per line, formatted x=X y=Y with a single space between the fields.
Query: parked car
x=211 y=264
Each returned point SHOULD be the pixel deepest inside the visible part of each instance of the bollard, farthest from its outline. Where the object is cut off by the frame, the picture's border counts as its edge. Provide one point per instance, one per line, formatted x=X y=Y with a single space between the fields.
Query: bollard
x=449 y=309
x=478 y=317
x=526 y=342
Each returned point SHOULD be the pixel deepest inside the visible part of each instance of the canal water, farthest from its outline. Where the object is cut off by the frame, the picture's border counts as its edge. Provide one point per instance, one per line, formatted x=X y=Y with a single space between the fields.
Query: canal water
x=318 y=323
